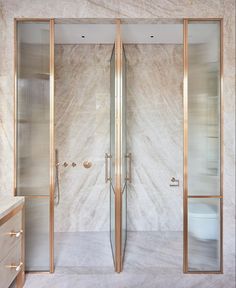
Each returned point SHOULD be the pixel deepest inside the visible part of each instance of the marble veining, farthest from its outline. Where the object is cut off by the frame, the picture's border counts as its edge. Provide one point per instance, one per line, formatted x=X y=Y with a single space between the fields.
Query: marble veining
x=7 y=204
x=125 y=9
x=152 y=259
x=82 y=118
x=155 y=130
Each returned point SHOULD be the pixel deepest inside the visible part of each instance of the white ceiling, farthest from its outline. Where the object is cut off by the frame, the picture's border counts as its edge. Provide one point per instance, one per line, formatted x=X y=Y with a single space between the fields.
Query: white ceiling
x=105 y=33
x=94 y=33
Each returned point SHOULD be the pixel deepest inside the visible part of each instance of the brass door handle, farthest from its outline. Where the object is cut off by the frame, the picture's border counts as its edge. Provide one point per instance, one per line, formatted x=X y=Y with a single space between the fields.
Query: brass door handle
x=129 y=175
x=16 y=267
x=107 y=174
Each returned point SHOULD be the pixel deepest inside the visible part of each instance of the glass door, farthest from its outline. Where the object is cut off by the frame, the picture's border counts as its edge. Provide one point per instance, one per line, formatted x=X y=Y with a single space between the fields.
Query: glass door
x=118 y=155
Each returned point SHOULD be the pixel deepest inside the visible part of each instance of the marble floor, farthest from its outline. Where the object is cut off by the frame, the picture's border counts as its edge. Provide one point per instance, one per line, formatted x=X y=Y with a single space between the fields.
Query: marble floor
x=152 y=260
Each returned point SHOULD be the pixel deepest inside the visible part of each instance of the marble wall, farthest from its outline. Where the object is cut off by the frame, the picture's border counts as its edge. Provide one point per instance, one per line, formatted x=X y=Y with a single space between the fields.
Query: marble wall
x=123 y=9
x=82 y=115
x=155 y=130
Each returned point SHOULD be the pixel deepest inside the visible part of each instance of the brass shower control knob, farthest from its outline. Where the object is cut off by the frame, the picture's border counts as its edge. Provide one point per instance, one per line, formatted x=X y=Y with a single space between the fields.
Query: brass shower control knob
x=87 y=164
x=65 y=164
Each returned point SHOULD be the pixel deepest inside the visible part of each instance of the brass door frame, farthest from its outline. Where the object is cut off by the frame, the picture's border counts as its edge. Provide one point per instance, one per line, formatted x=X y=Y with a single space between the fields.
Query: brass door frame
x=185 y=186
x=52 y=145
x=118 y=141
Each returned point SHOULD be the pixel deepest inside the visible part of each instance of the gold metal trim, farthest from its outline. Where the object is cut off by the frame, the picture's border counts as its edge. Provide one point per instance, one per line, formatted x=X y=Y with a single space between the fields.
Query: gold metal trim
x=205 y=196
x=36 y=196
x=15 y=107
x=221 y=139
x=20 y=279
x=204 y=19
x=185 y=182
x=38 y=272
x=52 y=146
x=32 y=19
x=186 y=196
x=118 y=136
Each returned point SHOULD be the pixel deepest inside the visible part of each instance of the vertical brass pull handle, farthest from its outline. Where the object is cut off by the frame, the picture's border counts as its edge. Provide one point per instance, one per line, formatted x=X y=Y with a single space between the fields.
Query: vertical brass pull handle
x=107 y=174
x=129 y=175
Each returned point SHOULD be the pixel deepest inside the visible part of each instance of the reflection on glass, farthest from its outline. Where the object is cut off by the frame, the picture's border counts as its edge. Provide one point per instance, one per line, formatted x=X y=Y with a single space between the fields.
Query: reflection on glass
x=37 y=234
x=204 y=234
x=33 y=106
x=112 y=152
x=204 y=108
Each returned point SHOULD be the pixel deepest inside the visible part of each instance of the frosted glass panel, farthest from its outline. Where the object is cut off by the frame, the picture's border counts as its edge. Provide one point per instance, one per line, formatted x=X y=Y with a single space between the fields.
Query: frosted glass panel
x=33 y=137
x=204 y=108
x=204 y=234
x=33 y=106
x=37 y=234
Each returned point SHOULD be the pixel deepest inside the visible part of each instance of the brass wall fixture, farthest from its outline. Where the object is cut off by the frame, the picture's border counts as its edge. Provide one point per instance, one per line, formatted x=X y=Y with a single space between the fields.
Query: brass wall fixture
x=65 y=164
x=87 y=164
x=174 y=182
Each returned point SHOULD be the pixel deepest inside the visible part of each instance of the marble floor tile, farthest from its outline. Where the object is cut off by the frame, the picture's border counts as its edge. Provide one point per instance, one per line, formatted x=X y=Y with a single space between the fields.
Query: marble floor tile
x=152 y=260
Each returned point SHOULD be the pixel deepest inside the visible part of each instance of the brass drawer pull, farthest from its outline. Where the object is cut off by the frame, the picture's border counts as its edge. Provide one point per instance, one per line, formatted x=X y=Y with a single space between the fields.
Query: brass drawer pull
x=18 y=268
x=16 y=234
x=107 y=178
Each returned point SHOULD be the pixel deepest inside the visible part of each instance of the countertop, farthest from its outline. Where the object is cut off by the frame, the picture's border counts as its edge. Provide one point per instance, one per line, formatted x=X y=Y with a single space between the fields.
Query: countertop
x=9 y=203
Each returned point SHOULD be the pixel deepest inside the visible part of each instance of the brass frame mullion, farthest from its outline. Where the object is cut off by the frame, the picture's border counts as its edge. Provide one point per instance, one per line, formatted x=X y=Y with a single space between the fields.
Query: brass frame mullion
x=32 y=19
x=52 y=146
x=118 y=139
x=205 y=196
x=185 y=96
x=15 y=75
x=221 y=139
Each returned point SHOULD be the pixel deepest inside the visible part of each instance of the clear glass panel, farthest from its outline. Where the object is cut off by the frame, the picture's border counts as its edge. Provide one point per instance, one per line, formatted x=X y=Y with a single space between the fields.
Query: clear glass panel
x=204 y=108
x=124 y=153
x=204 y=234
x=33 y=106
x=37 y=234
x=112 y=153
